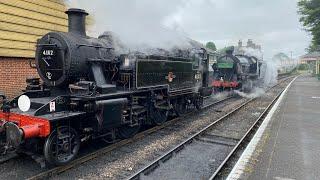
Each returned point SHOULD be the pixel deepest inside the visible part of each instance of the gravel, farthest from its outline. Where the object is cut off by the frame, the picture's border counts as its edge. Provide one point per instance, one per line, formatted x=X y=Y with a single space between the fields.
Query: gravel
x=122 y=162
x=200 y=159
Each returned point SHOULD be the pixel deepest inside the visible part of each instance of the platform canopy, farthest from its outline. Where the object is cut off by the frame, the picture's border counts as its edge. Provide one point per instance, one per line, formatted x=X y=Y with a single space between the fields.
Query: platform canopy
x=314 y=56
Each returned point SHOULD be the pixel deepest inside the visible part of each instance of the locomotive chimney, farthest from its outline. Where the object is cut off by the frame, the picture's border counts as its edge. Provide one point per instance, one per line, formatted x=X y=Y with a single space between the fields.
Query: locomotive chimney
x=77 y=20
x=240 y=44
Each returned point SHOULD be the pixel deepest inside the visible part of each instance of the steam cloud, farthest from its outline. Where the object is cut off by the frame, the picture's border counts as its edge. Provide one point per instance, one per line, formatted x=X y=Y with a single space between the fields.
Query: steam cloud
x=141 y=25
x=256 y=92
x=268 y=74
x=135 y=29
x=269 y=68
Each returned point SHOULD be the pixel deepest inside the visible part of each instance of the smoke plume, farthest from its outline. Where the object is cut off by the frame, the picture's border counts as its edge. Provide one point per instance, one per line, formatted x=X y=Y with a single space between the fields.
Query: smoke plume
x=268 y=69
x=256 y=92
x=137 y=28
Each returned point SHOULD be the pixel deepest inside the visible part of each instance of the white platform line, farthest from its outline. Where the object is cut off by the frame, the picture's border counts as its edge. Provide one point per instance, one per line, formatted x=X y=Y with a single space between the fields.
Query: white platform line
x=239 y=167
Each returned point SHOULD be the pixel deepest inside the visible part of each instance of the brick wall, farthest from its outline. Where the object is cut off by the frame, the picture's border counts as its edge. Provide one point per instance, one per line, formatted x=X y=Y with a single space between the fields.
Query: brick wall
x=13 y=74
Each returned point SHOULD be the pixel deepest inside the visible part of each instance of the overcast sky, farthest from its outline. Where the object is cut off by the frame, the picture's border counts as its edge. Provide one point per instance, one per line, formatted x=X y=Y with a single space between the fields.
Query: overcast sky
x=272 y=23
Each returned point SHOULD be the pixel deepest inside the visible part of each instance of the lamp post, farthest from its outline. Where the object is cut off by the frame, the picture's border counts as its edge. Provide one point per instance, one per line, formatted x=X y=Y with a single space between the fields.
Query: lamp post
x=291 y=57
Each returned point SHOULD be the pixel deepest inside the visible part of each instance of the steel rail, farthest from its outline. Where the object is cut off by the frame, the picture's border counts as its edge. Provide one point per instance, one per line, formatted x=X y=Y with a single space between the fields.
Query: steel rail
x=102 y=151
x=8 y=157
x=153 y=165
x=156 y=163
x=241 y=142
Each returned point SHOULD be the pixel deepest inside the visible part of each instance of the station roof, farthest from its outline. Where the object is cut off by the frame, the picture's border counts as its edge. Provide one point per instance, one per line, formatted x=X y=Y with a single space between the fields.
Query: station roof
x=311 y=56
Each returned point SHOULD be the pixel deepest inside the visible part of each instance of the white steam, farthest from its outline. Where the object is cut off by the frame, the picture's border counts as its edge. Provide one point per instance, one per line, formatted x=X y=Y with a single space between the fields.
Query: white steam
x=269 y=73
x=268 y=70
x=221 y=95
x=256 y=92
x=138 y=29
x=284 y=62
x=252 y=52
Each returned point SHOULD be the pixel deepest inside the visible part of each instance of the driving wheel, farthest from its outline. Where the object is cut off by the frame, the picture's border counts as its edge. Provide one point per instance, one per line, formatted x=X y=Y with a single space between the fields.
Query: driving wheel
x=61 y=146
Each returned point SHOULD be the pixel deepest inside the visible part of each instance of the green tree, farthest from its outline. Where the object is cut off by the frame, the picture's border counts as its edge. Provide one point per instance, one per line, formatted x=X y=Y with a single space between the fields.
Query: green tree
x=211 y=45
x=310 y=18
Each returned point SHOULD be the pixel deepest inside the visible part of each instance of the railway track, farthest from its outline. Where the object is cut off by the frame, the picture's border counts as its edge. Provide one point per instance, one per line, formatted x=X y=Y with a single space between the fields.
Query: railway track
x=123 y=143
x=179 y=159
x=102 y=151
x=245 y=139
x=8 y=157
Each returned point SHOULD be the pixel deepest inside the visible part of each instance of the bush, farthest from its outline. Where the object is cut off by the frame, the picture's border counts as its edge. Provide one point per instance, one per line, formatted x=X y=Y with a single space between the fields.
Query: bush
x=303 y=67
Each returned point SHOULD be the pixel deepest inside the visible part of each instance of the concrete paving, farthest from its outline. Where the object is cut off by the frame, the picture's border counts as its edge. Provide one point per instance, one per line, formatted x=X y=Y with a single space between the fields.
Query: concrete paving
x=291 y=147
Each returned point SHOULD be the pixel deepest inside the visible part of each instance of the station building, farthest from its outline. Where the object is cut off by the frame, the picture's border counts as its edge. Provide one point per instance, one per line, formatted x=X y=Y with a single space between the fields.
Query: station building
x=22 y=22
x=313 y=61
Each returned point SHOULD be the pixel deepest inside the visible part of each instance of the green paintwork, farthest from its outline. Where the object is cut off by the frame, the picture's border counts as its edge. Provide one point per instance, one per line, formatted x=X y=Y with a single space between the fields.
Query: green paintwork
x=225 y=65
x=155 y=73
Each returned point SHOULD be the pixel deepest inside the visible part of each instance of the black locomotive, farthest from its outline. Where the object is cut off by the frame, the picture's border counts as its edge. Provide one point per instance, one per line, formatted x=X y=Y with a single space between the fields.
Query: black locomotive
x=87 y=91
x=236 y=72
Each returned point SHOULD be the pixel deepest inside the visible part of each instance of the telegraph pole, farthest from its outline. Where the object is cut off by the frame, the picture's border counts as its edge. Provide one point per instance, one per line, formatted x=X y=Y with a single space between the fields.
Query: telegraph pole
x=291 y=58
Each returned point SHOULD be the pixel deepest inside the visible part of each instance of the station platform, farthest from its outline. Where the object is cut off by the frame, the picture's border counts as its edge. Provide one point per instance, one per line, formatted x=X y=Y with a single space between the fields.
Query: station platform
x=289 y=147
